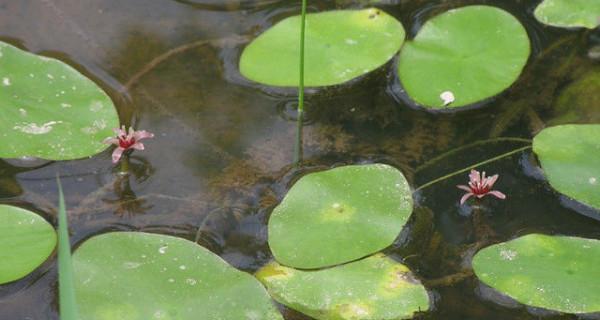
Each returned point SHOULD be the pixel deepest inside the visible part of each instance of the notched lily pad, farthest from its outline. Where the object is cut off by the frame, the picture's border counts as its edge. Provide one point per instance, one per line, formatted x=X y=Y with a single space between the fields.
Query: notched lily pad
x=140 y=276
x=568 y=155
x=339 y=215
x=49 y=109
x=373 y=288
x=569 y=13
x=463 y=56
x=552 y=272
x=340 y=45
x=27 y=241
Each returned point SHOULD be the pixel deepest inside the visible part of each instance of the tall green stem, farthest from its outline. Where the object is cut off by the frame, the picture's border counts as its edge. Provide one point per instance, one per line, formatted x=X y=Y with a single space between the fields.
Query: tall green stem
x=298 y=148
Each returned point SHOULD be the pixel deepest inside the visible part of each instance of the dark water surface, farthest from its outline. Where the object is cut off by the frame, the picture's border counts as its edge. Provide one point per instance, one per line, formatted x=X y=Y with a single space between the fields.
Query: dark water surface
x=221 y=158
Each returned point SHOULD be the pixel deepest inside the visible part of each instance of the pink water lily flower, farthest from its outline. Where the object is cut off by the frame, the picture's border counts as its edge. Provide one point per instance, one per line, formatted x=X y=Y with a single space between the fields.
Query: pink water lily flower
x=127 y=141
x=480 y=186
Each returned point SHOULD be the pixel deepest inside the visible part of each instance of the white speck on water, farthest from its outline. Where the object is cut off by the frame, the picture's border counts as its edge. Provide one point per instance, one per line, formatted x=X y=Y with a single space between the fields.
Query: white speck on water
x=182 y=267
x=447 y=97
x=163 y=249
x=351 y=41
x=23 y=112
x=508 y=255
x=159 y=314
x=50 y=76
x=6 y=81
x=31 y=75
x=592 y=180
x=65 y=105
x=96 y=106
x=191 y=282
x=171 y=280
x=33 y=128
x=336 y=205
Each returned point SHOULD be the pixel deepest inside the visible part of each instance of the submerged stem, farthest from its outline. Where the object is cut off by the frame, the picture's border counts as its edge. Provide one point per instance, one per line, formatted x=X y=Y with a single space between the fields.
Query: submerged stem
x=298 y=148
x=504 y=155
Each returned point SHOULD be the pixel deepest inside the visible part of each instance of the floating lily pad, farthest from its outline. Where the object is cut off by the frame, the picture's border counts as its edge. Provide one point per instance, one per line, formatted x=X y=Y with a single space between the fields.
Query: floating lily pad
x=552 y=272
x=339 y=215
x=340 y=45
x=468 y=54
x=373 y=288
x=569 y=13
x=49 y=109
x=27 y=241
x=141 y=276
x=569 y=156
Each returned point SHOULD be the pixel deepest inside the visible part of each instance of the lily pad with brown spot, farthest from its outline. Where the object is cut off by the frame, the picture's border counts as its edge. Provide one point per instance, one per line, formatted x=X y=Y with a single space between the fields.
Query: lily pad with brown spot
x=373 y=288
x=339 y=215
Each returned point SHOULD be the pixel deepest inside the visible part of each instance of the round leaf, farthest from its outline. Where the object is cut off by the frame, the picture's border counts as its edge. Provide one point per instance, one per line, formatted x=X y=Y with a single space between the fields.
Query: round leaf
x=552 y=272
x=27 y=241
x=463 y=56
x=339 y=215
x=569 y=13
x=373 y=288
x=568 y=155
x=339 y=46
x=140 y=276
x=49 y=109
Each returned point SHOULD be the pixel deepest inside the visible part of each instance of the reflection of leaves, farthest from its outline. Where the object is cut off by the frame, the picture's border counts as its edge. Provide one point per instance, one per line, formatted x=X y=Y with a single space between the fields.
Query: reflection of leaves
x=579 y=102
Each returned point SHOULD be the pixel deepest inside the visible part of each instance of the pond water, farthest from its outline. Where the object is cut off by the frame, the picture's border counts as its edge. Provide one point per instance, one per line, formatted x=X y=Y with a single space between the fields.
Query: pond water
x=222 y=156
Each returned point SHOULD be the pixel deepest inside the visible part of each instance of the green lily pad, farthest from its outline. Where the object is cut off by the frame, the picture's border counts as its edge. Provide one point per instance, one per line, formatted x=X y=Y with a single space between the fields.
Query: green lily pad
x=339 y=215
x=552 y=272
x=340 y=45
x=569 y=13
x=466 y=54
x=568 y=155
x=27 y=241
x=373 y=288
x=140 y=276
x=49 y=109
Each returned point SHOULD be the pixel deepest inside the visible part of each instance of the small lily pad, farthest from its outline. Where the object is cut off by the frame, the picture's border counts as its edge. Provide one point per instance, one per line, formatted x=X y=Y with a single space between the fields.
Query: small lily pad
x=141 y=276
x=339 y=215
x=49 y=109
x=471 y=53
x=569 y=13
x=552 y=272
x=568 y=155
x=340 y=45
x=27 y=241
x=373 y=288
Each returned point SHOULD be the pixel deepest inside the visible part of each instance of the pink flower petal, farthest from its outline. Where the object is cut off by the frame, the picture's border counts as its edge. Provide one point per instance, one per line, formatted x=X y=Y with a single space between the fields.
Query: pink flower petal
x=111 y=140
x=120 y=131
x=142 y=134
x=474 y=176
x=117 y=153
x=137 y=146
x=491 y=180
x=497 y=194
x=465 y=197
x=463 y=187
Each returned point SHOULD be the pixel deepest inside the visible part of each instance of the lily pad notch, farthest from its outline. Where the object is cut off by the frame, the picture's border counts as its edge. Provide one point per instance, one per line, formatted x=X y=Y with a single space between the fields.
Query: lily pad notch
x=463 y=56
x=340 y=45
x=49 y=109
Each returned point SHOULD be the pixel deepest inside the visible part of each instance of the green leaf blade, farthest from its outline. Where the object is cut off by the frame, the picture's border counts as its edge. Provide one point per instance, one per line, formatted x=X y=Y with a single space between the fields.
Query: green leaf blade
x=450 y=54
x=339 y=215
x=27 y=241
x=552 y=272
x=340 y=45
x=50 y=110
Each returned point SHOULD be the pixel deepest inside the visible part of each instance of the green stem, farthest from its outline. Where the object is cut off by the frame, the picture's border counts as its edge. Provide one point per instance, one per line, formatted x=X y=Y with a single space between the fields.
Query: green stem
x=504 y=155
x=124 y=170
x=298 y=149
x=471 y=145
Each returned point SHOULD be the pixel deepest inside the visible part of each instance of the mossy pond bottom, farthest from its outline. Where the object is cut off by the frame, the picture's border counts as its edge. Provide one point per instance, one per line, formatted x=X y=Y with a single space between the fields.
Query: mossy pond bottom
x=222 y=155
